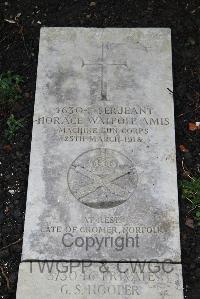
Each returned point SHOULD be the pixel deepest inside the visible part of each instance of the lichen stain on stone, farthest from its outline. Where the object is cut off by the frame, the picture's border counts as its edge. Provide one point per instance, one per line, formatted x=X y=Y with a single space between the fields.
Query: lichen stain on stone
x=171 y=157
x=63 y=85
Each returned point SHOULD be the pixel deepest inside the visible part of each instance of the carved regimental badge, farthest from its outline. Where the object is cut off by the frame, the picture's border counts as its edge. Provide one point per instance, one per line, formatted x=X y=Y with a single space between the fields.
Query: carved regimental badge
x=102 y=178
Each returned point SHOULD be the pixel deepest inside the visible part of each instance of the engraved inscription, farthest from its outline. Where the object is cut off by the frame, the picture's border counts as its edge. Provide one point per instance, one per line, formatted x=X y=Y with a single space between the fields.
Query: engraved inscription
x=102 y=178
x=104 y=123
x=103 y=64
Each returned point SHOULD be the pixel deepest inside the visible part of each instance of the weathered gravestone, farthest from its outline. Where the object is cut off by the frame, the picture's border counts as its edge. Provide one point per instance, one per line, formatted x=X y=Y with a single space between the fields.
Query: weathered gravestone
x=97 y=281
x=102 y=182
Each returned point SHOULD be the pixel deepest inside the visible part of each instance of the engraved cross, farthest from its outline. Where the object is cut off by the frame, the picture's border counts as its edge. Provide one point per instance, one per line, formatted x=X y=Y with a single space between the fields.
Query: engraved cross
x=103 y=64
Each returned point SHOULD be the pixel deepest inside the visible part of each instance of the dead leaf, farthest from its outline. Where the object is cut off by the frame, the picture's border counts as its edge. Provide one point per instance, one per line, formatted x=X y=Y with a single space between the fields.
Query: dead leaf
x=10 y=21
x=18 y=89
x=189 y=222
x=27 y=95
x=21 y=30
x=194 y=126
x=7 y=210
x=184 y=236
x=186 y=174
x=183 y=148
x=17 y=16
x=7 y=148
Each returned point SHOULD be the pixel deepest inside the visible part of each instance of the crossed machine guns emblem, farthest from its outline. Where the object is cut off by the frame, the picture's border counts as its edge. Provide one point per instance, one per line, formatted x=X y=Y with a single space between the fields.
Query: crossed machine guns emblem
x=102 y=178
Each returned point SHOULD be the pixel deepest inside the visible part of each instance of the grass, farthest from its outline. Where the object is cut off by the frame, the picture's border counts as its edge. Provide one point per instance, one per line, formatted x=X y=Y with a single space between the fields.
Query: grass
x=13 y=125
x=191 y=192
x=10 y=91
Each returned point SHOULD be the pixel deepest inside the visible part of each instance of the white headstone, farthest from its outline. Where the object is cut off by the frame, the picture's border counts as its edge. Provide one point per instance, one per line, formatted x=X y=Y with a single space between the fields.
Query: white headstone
x=96 y=281
x=102 y=181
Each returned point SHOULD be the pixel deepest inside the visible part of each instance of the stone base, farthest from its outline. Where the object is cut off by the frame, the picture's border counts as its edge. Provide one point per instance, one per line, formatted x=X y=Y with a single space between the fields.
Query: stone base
x=61 y=280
